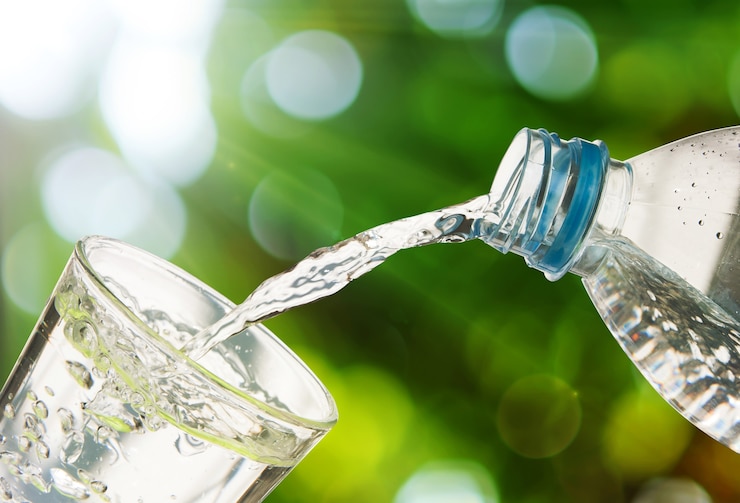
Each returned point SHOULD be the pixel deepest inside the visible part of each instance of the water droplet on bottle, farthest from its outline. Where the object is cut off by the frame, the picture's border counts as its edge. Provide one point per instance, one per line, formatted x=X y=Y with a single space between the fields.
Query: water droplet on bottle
x=80 y=374
x=701 y=222
x=679 y=208
x=67 y=485
x=2 y=439
x=49 y=391
x=31 y=396
x=693 y=184
x=720 y=235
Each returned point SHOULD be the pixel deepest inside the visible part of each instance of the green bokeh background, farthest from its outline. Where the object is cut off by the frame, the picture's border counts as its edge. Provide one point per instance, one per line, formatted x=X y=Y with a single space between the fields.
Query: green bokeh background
x=449 y=353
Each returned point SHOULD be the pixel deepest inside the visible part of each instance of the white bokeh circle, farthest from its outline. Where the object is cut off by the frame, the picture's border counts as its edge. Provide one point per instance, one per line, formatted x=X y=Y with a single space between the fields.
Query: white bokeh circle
x=552 y=52
x=314 y=75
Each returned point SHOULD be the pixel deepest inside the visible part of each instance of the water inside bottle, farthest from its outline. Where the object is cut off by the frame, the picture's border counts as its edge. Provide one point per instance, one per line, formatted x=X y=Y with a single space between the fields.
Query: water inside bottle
x=685 y=344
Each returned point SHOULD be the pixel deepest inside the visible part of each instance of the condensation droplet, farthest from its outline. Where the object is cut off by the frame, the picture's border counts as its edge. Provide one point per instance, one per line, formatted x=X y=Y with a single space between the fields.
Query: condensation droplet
x=693 y=184
x=32 y=396
x=680 y=208
x=701 y=222
x=49 y=391
x=720 y=235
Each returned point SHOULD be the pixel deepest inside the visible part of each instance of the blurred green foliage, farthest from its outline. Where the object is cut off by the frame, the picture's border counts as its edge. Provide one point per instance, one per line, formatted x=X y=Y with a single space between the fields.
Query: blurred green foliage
x=426 y=355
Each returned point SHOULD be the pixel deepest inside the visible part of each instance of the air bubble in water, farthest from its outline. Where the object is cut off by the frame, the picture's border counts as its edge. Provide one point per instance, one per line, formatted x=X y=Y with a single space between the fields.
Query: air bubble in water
x=98 y=486
x=42 y=449
x=72 y=448
x=80 y=373
x=40 y=409
x=720 y=235
x=5 y=492
x=67 y=485
x=701 y=222
x=66 y=419
x=187 y=445
x=83 y=337
x=9 y=411
x=24 y=444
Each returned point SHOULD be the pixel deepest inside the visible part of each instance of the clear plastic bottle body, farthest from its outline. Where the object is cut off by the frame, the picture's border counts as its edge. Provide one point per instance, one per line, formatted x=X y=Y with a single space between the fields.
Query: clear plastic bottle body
x=657 y=246
x=684 y=209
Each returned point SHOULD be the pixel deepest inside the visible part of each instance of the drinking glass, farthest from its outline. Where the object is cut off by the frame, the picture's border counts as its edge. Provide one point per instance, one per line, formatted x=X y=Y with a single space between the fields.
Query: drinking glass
x=101 y=406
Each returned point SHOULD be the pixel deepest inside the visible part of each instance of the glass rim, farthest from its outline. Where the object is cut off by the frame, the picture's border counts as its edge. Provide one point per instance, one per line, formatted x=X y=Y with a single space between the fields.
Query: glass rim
x=325 y=422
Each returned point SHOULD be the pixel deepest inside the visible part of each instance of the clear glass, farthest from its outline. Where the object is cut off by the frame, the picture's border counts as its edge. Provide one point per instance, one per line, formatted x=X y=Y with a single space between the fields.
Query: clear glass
x=101 y=406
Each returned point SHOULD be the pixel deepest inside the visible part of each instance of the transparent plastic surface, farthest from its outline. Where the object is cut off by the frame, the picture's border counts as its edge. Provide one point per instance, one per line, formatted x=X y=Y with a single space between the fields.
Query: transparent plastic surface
x=656 y=241
x=684 y=211
x=669 y=286
x=101 y=407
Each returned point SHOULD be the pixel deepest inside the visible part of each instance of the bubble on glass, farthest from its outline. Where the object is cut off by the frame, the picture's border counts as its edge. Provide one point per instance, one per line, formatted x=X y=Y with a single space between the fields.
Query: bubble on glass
x=261 y=111
x=539 y=416
x=293 y=213
x=461 y=18
x=155 y=100
x=552 y=52
x=30 y=265
x=87 y=190
x=314 y=75
x=49 y=54
x=449 y=481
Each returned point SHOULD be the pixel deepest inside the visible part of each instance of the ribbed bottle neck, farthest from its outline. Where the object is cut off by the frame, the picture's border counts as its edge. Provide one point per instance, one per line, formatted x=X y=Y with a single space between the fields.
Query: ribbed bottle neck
x=549 y=195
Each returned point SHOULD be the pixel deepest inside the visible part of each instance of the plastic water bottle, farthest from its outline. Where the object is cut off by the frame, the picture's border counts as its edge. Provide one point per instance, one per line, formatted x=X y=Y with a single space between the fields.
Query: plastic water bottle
x=656 y=242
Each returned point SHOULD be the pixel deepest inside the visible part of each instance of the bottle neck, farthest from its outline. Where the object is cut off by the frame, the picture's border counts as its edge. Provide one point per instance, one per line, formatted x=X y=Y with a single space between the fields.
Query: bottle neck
x=551 y=197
